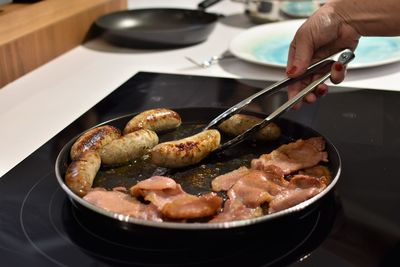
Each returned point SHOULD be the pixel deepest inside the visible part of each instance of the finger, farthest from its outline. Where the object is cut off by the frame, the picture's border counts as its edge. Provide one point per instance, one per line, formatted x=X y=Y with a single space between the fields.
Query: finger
x=338 y=72
x=290 y=68
x=297 y=106
x=310 y=98
x=322 y=89
x=293 y=90
x=300 y=53
x=296 y=87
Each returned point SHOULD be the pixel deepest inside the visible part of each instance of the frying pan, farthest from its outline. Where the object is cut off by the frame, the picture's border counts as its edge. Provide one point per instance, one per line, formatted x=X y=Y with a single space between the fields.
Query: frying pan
x=158 y=27
x=193 y=119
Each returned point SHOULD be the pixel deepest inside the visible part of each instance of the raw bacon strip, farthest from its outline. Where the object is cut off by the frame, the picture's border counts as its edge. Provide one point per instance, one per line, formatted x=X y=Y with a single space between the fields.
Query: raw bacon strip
x=300 y=188
x=173 y=202
x=235 y=210
x=188 y=206
x=122 y=203
x=291 y=197
x=227 y=180
x=162 y=197
x=254 y=189
x=306 y=181
x=294 y=156
x=153 y=183
x=159 y=190
x=248 y=190
x=275 y=174
x=318 y=171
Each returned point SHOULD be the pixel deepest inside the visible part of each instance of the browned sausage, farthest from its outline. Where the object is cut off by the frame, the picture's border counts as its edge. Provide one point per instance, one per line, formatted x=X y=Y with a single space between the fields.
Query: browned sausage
x=128 y=147
x=94 y=139
x=187 y=151
x=239 y=123
x=81 y=172
x=157 y=120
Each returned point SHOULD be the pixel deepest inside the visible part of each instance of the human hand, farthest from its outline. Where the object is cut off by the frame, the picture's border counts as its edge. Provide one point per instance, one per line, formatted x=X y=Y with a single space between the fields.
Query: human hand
x=322 y=34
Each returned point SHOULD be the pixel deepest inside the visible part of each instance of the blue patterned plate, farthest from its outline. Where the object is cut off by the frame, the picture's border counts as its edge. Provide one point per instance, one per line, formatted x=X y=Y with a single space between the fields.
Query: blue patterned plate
x=268 y=44
x=299 y=9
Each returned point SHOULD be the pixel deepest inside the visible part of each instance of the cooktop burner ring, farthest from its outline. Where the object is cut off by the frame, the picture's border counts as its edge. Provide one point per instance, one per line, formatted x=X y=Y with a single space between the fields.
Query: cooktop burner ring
x=61 y=220
x=23 y=225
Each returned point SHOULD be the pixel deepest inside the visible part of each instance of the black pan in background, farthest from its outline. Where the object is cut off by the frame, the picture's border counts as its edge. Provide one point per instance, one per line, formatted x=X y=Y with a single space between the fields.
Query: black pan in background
x=158 y=27
x=291 y=131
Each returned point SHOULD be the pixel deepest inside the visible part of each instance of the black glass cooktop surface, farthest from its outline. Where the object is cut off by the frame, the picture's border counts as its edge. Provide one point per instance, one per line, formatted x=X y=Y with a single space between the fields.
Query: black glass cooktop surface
x=357 y=224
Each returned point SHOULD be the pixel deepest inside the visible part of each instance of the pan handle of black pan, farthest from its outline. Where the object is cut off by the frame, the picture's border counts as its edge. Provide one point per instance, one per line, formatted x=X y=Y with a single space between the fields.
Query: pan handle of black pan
x=207 y=3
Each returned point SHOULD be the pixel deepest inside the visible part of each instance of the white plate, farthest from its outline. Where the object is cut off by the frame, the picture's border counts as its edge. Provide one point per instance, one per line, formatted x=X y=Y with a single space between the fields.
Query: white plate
x=299 y=9
x=268 y=44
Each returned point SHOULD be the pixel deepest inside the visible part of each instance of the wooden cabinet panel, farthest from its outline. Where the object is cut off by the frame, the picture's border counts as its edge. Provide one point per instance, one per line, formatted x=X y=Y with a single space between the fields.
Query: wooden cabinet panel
x=33 y=34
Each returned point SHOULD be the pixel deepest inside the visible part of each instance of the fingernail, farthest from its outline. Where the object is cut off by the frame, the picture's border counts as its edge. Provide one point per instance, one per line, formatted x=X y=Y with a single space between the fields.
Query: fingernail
x=322 y=91
x=297 y=106
x=338 y=66
x=291 y=70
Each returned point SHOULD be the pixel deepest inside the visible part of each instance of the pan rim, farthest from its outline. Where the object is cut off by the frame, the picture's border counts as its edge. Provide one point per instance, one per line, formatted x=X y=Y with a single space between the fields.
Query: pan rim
x=212 y=19
x=196 y=225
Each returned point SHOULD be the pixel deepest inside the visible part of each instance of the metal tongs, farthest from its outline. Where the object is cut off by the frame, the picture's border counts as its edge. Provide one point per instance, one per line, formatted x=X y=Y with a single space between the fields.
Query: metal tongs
x=345 y=56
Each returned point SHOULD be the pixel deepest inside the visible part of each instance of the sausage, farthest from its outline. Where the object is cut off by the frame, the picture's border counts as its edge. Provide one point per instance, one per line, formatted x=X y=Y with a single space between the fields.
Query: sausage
x=82 y=171
x=94 y=139
x=157 y=120
x=187 y=151
x=128 y=147
x=239 y=123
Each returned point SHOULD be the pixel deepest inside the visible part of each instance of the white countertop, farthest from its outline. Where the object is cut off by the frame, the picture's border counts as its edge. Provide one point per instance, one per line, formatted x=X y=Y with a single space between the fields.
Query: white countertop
x=40 y=104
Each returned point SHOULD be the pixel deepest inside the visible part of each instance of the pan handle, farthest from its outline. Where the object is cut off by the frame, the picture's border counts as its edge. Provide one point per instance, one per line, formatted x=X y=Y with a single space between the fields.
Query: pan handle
x=206 y=3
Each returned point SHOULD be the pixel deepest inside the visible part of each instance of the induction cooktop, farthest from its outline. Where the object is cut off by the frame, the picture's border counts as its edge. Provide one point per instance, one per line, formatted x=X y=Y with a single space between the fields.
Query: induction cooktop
x=357 y=224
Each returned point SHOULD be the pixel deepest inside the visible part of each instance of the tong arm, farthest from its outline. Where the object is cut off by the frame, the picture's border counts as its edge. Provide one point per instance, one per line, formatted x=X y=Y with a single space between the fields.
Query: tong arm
x=276 y=87
x=344 y=57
